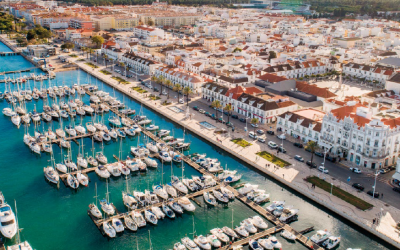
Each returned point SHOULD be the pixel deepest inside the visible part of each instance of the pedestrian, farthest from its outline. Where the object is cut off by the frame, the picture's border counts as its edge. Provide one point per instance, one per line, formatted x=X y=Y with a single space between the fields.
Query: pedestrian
x=373 y=221
x=381 y=195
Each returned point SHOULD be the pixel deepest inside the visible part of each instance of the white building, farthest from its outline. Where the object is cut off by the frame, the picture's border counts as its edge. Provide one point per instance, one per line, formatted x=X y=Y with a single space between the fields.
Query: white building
x=182 y=77
x=145 y=32
x=372 y=73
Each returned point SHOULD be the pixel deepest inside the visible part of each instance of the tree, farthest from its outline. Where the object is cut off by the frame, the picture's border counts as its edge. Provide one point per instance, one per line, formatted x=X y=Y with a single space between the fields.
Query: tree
x=254 y=121
x=98 y=40
x=168 y=84
x=237 y=50
x=312 y=146
x=178 y=89
x=187 y=91
x=31 y=35
x=160 y=80
x=228 y=108
x=272 y=55
x=216 y=105
x=150 y=22
x=68 y=46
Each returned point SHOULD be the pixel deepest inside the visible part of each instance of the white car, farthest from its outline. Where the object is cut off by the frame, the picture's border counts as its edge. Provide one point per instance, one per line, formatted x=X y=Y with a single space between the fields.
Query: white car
x=272 y=145
x=117 y=70
x=261 y=139
x=254 y=125
x=282 y=136
x=355 y=170
x=253 y=135
x=181 y=101
x=323 y=169
x=202 y=111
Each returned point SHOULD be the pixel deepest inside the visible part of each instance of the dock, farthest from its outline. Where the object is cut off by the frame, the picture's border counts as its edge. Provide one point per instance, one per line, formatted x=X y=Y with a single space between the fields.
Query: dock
x=17 y=71
x=9 y=53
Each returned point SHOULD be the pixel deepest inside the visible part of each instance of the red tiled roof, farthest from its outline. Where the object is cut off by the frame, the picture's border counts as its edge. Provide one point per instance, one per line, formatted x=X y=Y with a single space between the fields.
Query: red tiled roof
x=272 y=78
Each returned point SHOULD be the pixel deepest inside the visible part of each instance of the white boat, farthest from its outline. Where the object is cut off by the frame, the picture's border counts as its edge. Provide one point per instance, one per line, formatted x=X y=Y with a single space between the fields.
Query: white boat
x=144 y=122
x=220 y=234
x=161 y=146
x=83 y=179
x=253 y=244
x=164 y=156
x=247 y=188
x=214 y=241
x=209 y=181
x=124 y=169
x=90 y=128
x=107 y=207
x=185 y=203
x=274 y=205
x=151 y=198
x=190 y=184
x=189 y=244
x=275 y=243
x=178 y=185
x=171 y=190
x=214 y=168
x=72 y=181
x=81 y=162
x=136 y=128
x=135 y=164
x=60 y=132
x=51 y=175
x=168 y=211
x=130 y=224
x=289 y=214
x=114 y=169
x=227 y=192
x=331 y=242
x=179 y=246
x=20 y=246
x=248 y=225
x=16 y=120
x=138 y=219
x=320 y=236
x=139 y=151
x=152 y=127
x=61 y=168
x=266 y=244
x=105 y=136
x=114 y=121
x=261 y=198
x=202 y=242
x=150 y=217
x=50 y=134
x=219 y=196
x=163 y=132
x=117 y=225
x=230 y=232
x=113 y=133
x=8 y=112
x=151 y=163
x=259 y=222
x=176 y=207
x=241 y=230
x=95 y=211
x=157 y=211
x=70 y=130
x=129 y=131
x=80 y=129
x=198 y=180
x=209 y=199
x=160 y=191
x=102 y=172
x=8 y=225
x=129 y=201
x=35 y=148
x=152 y=147
x=288 y=235
x=101 y=158
x=109 y=230
x=140 y=197
x=70 y=164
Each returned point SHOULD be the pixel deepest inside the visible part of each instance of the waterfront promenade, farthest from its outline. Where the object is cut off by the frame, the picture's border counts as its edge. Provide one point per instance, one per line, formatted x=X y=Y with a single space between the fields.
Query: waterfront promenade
x=292 y=176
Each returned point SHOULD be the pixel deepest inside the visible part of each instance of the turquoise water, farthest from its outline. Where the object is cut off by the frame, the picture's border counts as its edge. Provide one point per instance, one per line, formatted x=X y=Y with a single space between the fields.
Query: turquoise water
x=56 y=218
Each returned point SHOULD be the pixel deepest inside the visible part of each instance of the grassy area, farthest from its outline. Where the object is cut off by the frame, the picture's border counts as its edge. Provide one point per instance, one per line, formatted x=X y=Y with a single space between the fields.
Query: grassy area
x=91 y=65
x=154 y=97
x=139 y=89
x=73 y=55
x=105 y=72
x=241 y=142
x=274 y=159
x=80 y=60
x=340 y=193
x=120 y=80
x=166 y=103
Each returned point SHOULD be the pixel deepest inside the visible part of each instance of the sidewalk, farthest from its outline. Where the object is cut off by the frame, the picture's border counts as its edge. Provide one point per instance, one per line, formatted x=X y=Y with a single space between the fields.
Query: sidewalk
x=292 y=176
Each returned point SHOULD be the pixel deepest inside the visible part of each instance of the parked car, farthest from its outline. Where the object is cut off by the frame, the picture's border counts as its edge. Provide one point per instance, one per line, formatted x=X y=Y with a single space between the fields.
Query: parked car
x=156 y=89
x=181 y=101
x=358 y=186
x=282 y=136
x=227 y=113
x=202 y=111
x=207 y=114
x=371 y=193
x=254 y=125
x=270 y=132
x=298 y=144
x=242 y=120
x=396 y=189
x=330 y=158
x=282 y=149
x=253 y=135
x=272 y=145
x=196 y=108
x=384 y=170
x=117 y=70
x=308 y=149
x=229 y=124
x=323 y=169
x=221 y=120
x=311 y=164
x=355 y=170
x=213 y=117
x=164 y=93
x=299 y=158
x=319 y=154
x=260 y=131
x=235 y=117
x=260 y=139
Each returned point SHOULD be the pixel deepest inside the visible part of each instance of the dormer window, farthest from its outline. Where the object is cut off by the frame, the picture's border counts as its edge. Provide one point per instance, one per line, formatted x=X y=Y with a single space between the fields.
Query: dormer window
x=251 y=103
x=244 y=99
x=259 y=105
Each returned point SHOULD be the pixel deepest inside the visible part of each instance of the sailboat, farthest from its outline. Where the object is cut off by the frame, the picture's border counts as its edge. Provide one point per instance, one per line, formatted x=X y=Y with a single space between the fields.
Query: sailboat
x=50 y=173
x=81 y=161
x=106 y=206
x=90 y=159
x=160 y=190
x=20 y=245
x=60 y=166
x=129 y=201
x=94 y=210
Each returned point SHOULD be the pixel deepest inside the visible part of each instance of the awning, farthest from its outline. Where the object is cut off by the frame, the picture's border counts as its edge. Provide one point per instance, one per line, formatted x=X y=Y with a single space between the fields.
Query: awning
x=396 y=176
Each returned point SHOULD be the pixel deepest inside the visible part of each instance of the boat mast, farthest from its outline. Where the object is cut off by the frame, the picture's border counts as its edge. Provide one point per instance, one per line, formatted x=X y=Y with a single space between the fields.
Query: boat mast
x=108 y=200
x=232 y=217
x=151 y=247
x=95 y=188
x=16 y=220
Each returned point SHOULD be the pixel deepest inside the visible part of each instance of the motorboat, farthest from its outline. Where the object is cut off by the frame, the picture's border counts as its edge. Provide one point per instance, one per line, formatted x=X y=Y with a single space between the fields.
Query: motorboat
x=214 y=168
x=126 y=122
x=214 y=241
x=185 y=203
x=157 y=211
x=8 y=225
x=164 y=156
x=97 y=137
x=101 y=158
x=176 y=207
x=152 y=147
x=114 y=121
x=129 y=201
x=46 y=117
x=241 y=230
x=139 y=151
x=331 y=242
x=72 y=181
x=61 y=168
x=35 y=148
x=100 y=126
x=230 y=232
x=320 y=236
x=105 y=136
x=171 y=190
x=117 y=225
x=274 y=205
x=114 y=169
x=150 y=162
x=190 y=184
x=227 y=192
x=124 y=169
x=248 y=225
x=261 y=198
x=179 y=246
x=113 y=133
x=289 y=215
x=168 y=211
x=130 y=224
x=254 y=245
x=202 y=242
x=163 y=132
x=161 y=146
x=189 y=244
x=275 y=243
x=150 y=217
x=107 y=207
x=199 y=181
x=220 y=197
x=160 y=191
x=81 y=162
x=229 y=176
x=152 y=127
x=8 y=112
x=178 y=185
x=140 y=197
x=209 y=199
x=51 y=175
x=70 y=164
x=134 y=165
x=109 y=230
x=70 y=130
x=258 y=222
x=138 y=219
x=279 y=210
x=102 y=172
x=80 y=129
x=144 y=122
x=95 y=211
x=220 y=234
x=209 y=181
x=64 y=114
x=247 y=188
x=82 y=178
x=136 y=128
x=129 y=131
x=151 y=198
x=176 y=157
x=266 y=243
x=288 y=235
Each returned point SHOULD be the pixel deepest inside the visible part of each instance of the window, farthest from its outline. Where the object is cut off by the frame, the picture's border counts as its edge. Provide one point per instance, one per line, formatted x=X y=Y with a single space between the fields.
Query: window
x=377 y=134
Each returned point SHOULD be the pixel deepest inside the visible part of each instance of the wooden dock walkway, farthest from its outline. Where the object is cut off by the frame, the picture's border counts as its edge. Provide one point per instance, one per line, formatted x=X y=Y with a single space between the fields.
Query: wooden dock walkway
x=17 y=71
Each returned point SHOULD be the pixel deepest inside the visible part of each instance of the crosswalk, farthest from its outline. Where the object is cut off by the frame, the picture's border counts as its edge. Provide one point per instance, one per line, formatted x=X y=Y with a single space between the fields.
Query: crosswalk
x=379 y=178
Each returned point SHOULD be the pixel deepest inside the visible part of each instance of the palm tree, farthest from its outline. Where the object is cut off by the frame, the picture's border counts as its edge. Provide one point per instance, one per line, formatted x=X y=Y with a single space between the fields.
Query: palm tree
x=216 y=104
x=312 y=146
x=106 y=59
x=91 y=51
x=168 y=84
x=160 y=80
x=228 y=108
x=187 y=91
x=178 y=89
x=254 y=121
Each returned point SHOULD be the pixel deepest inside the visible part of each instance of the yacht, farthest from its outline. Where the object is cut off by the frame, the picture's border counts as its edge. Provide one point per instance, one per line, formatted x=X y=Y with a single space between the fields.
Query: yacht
x=140 y=197
x=113 y=133
x=130 y=224
x=90 y=128
x=288 y=235
x=220 y=235
x=179 y=246
x=101 y=158
x=168 y=211
x=150 y=162
x=8 y=112
x=178 y=185
x=259 y=222
x=70 y=130
x=163 y=132
x=129 y=131
x=209 y=181
x=81 y=162
x=138 y=219
x=209 y=199
x=247 y=188
x=261 y=198
x=117 y=225
x=105 y=136
x=248 y=225
x=35 y=148
x=185 y=203
x=189 y=244
x=109 y=230
x=289 y=215
x=190 y=184
x=152 y=147
x=152 y=127
x=150 y=217
x=61 y=168
x=227 y=192
x=214 y=241
x=275 y=243
x=266 y=243
x=20 y=246
x=124 y=169
x=275 y=205
x=70 y=164
x=16 y=120
x=221 y=197
x=8 y=225
x=151 y=198
x=95 y=211
x=157 y=211
x=331 y=242
x=171 y=190
x=175 y=206
x=107 y=207
x=134 y=165
x=114 y=169
x=253 y=244
x=129 y=201
x=320 y=236
x=80 y=129
x=92 y=161
x=199 y=181
x=72 y=181
x=51 y=175
x=139 y=151
x=241 y=230
x=230 y=232
x=114 y=121
x=82 y=178
x=164 y=156
x=160 y=191
x=102 y=172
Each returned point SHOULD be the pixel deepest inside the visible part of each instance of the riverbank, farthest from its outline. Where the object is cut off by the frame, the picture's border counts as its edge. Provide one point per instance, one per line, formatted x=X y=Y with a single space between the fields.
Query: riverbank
x=292 y=177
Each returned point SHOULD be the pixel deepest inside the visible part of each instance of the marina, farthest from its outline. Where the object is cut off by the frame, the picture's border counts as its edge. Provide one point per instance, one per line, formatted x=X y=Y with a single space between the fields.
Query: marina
x=206 y=218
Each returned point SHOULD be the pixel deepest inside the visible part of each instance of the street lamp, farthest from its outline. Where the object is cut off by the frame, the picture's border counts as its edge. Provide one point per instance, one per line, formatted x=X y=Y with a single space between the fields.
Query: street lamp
x=374 y=187
x=246 y=125
x=331 y=188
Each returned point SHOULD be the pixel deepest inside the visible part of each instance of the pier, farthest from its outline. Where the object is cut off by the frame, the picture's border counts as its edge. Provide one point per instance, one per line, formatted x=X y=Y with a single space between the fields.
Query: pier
x=9 y=53
x=17 y=71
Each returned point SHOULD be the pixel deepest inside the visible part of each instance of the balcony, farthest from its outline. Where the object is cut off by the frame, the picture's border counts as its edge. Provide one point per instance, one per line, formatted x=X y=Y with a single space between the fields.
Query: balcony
x=396 y=142
x=346 y=128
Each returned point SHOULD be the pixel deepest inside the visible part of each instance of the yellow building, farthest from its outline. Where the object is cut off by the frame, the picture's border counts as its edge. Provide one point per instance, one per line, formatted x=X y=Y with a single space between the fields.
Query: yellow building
x=125 y=22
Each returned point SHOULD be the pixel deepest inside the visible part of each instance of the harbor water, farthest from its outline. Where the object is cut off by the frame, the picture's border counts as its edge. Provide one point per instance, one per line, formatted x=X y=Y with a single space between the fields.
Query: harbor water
x=56 y=217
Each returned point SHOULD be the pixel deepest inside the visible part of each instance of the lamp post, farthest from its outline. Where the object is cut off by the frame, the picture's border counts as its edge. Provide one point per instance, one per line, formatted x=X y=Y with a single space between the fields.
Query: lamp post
x=374 y=187
x=246 y=124
x=331 y=188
